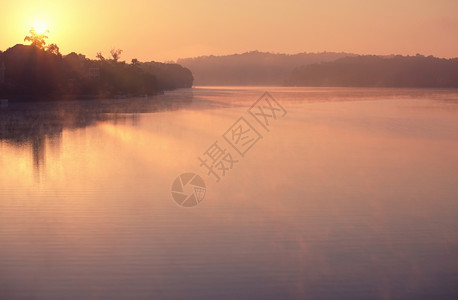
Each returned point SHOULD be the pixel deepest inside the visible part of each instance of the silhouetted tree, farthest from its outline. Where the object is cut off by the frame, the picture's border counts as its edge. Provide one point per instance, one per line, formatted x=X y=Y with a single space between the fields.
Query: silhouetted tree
x=116 y=54
x=42 y=73
x=100 y=56
x=37 y=40
x=169 y=76
x=53 y=48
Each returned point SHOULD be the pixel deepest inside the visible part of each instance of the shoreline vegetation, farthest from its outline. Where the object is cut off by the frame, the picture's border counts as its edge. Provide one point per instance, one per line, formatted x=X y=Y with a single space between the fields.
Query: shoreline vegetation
x=326 y=69
x=39 y=72
x=375 y=71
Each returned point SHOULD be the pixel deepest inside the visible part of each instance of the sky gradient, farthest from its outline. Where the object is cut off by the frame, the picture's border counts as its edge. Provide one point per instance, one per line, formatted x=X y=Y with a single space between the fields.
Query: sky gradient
x=167 y=30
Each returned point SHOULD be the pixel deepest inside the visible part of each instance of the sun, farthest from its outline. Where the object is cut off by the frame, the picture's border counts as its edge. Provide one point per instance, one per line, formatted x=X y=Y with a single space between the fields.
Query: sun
x=40 y=26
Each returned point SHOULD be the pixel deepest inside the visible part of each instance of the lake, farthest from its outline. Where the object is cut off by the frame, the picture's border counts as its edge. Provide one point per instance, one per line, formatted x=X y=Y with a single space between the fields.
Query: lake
x=321 y=193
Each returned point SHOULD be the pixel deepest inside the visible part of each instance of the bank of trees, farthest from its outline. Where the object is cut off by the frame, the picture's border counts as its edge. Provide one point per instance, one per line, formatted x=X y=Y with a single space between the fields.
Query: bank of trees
x=377 y=71
x=39 y=71
x=251 y=68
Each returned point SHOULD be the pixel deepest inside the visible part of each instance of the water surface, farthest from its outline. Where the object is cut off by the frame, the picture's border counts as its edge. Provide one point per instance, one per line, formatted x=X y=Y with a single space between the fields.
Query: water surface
x=353 y=194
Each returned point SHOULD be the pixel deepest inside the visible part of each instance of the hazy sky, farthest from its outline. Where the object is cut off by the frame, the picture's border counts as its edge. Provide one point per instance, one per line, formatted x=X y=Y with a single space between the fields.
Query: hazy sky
x=169 y=29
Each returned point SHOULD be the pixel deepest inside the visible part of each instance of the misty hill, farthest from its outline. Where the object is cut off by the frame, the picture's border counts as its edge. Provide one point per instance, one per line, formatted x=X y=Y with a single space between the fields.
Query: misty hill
x=30 y=72
x=251 y=68
x=377 y=71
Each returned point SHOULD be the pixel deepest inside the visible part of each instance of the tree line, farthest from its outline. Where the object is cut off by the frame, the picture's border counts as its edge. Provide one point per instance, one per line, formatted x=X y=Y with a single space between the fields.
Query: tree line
x=39 y=71
x=377 y=71
x=251 y=68
x=323 y=69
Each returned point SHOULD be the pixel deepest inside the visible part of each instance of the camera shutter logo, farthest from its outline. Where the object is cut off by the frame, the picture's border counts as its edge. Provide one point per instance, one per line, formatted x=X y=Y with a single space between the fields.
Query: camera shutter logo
x=188 y=189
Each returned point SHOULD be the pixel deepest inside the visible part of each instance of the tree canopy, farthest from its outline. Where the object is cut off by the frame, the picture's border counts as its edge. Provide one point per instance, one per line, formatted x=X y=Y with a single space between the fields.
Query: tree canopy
x=37 y=40
x=42 y=73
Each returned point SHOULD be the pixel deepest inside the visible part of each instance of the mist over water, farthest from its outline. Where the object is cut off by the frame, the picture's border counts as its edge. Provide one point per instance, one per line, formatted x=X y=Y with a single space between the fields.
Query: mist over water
x=352 y=195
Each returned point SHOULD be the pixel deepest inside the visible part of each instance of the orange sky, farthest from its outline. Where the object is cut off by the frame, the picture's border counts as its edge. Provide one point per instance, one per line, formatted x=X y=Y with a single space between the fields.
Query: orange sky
x=168 y=29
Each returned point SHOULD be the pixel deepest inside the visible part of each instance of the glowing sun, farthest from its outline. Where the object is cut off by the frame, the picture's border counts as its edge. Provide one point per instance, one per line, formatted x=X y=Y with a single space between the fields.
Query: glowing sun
x=40 y=27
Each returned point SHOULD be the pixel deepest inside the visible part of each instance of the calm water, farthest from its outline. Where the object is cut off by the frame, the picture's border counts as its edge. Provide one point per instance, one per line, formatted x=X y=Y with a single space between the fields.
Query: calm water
x=353 y=194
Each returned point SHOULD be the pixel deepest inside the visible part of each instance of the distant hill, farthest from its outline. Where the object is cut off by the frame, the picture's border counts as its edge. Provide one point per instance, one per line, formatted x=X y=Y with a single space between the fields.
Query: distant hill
x=251 y=68
x=377 y=71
